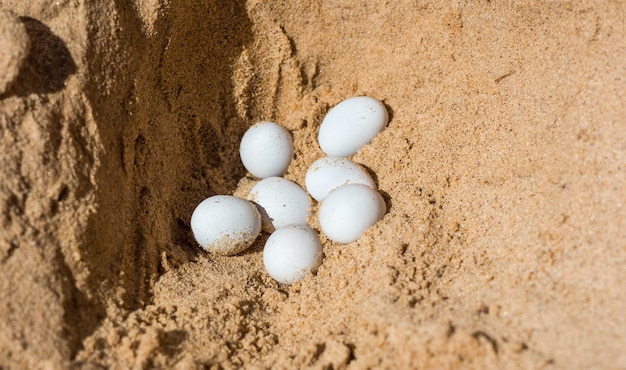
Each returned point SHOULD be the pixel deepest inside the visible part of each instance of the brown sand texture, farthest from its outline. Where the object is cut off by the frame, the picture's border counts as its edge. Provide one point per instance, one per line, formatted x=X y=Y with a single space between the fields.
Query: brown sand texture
x=503 y=168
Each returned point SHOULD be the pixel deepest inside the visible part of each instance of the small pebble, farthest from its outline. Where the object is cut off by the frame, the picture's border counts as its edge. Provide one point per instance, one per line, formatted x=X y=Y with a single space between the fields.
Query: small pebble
x=14 y=48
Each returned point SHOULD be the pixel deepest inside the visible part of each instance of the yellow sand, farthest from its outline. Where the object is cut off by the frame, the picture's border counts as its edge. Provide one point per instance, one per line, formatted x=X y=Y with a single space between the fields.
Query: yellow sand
x=503 y=169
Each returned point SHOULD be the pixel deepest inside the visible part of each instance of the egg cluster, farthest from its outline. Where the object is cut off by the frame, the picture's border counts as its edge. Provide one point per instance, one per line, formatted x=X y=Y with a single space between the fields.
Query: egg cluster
x=350 y=203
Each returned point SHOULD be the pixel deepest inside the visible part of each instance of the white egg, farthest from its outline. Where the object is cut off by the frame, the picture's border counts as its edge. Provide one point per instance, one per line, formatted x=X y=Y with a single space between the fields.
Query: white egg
x=350 y=210
x=291 y=252
x=266 y=150
x=329 y=173
x=282 y=202
x=351 y=124
x=225 y=225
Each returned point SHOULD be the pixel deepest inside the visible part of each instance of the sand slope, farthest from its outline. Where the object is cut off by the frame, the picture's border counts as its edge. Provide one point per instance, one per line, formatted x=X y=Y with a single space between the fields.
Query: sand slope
x=504 y=245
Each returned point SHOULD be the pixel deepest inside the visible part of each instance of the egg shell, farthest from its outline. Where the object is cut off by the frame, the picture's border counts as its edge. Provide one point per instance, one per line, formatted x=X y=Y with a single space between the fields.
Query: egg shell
x=282 y=202
x=266 y=150
x=350 y=210
x=351 y=124
x=329 y=173
x=225 y=224
x=291 y=252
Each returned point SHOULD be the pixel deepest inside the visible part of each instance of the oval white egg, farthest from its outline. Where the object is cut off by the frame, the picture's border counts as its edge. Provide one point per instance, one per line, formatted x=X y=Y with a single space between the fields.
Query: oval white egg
x=350 y=210
x=266 y=150
x=291 y=252
x=282 y=202
x=225 y=224
x=351 y=124
x=329 y=173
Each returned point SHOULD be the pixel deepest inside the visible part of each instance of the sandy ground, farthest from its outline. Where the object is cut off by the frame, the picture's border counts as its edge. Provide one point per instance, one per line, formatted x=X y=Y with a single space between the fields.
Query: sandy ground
x=503 y=169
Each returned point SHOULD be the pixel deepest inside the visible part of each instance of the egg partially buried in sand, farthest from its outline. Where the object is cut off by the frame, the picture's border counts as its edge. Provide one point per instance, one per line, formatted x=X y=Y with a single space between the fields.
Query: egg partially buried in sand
x=225 y=224
x=349 y=210
x=291 y=252
x=351 y=124
x=266 y=150
x=282 y=203
x=328 y=173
